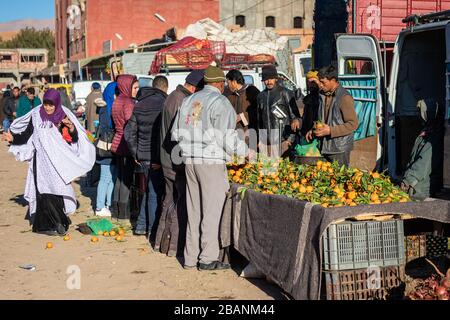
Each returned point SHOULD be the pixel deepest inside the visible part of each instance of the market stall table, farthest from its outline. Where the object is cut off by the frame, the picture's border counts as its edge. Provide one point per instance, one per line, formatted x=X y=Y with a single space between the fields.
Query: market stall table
x=282 y=237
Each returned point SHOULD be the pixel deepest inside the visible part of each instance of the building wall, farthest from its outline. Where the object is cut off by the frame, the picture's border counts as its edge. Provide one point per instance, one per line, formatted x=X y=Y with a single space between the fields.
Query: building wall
x=284 y=12
x=16 y=64
x=255 y=12
x=134 y=20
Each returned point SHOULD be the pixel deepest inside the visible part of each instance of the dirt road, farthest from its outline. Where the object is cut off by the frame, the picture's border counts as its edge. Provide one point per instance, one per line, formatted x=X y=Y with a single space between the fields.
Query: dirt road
x=106 y=270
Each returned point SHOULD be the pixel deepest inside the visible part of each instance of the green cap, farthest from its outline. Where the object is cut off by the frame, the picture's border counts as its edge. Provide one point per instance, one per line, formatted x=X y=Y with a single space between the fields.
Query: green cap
x=214 y=74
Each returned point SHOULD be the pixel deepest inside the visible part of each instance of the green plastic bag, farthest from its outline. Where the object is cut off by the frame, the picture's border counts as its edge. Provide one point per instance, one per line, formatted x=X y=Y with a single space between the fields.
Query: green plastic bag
x=99 y=225
x=307 y=149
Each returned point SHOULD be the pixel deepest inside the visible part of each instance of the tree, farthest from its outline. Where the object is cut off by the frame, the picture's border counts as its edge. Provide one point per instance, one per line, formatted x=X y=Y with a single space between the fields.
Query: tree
x=30 y=38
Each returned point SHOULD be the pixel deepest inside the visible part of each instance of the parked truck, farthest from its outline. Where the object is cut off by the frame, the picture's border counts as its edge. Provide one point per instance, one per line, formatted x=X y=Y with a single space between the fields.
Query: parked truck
x=380 y=18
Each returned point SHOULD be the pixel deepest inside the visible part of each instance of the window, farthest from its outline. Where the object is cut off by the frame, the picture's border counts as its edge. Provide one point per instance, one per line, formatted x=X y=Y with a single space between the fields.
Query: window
x=298 y=22
x=249 y=79
x=145 y=82
x=240 y=20
x=359 y=67
x=6 y=57
x=270 y=22
x=294 y=43
x=32 y=58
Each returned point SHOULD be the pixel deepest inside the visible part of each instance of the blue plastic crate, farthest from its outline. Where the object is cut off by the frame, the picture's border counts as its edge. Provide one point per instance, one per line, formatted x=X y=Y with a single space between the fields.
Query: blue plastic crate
x=356 y=245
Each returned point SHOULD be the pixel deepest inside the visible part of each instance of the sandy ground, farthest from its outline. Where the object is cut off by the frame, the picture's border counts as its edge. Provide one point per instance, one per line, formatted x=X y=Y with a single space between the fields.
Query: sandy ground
x=108 y=269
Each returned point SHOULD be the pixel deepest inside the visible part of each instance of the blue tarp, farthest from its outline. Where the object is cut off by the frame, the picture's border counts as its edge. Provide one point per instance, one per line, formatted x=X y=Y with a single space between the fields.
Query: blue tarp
x=363 y=89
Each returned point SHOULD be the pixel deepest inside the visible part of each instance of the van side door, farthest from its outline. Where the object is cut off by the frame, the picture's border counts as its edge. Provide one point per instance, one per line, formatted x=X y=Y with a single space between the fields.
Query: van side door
x=361 y=72
x=447 y=115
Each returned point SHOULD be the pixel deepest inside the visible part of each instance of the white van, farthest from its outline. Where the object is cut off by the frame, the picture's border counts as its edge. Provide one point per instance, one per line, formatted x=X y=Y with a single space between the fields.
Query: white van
x=81 y=89
x=420 y=70
x=253 y=77
x=302 y=65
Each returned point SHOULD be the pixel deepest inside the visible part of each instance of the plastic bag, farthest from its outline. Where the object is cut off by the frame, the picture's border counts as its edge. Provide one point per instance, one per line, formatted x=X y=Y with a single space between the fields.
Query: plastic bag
x=307 y=149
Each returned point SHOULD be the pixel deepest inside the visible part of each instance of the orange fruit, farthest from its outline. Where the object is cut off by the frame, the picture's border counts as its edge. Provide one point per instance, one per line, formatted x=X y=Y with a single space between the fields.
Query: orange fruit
x=100 y=233
x=403 y=200
x=232 y=172
x=309 y=189
x=66 y=238
x=121 y=232
x=292 y=176
x=304 y=181
x=94 y=239
x=49 y=245
x=295 y=185
x=112 y=233
x=302 y=189
x=375 y=175
x=352 y=204
x=119 y=238
x=325 y=205
x=106 y=234
x=351 y=195
x=274 y=189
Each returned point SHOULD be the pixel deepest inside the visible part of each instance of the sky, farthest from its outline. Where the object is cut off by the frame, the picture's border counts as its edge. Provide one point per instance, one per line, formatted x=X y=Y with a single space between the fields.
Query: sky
x=26 y=9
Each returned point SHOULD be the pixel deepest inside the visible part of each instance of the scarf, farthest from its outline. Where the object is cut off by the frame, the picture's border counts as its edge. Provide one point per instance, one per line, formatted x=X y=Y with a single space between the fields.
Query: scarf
x=59 y=114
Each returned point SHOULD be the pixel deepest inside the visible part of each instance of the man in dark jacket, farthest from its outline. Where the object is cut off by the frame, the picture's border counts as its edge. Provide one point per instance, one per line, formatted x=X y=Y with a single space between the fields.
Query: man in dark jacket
x=10 y=107
x=338 y=116
x=171 y=234
x=310 y=103
x=277 y=115
x=142 y=136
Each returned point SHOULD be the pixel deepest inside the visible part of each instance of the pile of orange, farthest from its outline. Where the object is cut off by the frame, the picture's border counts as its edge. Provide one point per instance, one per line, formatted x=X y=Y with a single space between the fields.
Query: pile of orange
x=118 y=234
x=324 y=183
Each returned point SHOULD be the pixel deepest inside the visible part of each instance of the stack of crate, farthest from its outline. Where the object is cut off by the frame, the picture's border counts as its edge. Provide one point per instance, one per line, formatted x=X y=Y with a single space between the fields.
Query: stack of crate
x=363 y=260
x=425 y=245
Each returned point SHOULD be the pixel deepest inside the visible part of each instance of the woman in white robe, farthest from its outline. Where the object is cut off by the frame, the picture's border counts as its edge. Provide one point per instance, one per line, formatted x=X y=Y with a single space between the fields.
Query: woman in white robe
x=58 y=151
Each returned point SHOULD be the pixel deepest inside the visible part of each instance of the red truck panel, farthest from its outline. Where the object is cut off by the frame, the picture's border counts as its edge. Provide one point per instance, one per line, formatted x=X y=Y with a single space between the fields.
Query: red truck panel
x=383 y=18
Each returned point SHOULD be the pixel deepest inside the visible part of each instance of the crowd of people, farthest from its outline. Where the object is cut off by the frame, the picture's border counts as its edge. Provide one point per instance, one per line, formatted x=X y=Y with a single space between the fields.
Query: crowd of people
x=162 y=155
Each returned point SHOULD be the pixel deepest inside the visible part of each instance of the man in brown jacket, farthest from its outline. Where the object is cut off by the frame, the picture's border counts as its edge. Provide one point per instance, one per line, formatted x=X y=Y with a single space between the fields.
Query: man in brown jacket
x=91 y=108
x=243 y=98
x=337 y=113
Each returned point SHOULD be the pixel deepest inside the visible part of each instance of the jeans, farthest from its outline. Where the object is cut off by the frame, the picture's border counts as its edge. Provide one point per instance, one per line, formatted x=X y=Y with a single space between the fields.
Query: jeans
x=105 y=186
x=6 y=124
x=152 y=199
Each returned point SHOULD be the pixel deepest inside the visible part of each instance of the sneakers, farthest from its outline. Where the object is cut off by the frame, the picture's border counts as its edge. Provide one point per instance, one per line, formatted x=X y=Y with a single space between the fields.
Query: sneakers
x=103 y=213
x=213 y=266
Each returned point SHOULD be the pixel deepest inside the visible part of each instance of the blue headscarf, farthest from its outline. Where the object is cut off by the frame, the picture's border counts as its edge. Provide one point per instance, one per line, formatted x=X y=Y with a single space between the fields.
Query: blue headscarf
x=108 y=96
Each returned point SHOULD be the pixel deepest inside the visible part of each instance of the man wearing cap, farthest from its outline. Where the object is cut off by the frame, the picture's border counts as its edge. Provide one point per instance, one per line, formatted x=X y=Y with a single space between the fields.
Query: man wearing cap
x=205 y=131
x=277 y=110
x=310 y=103
x=91 y=107
x=171 y=233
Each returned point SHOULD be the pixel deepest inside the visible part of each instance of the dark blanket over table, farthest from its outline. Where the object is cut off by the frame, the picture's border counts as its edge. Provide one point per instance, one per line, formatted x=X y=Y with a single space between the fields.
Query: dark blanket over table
x=282 y=236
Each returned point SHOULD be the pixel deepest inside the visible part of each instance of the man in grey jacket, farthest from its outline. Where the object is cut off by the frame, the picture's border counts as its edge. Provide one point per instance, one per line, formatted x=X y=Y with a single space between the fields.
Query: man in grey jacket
x=171 y=234
x=205 y=129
